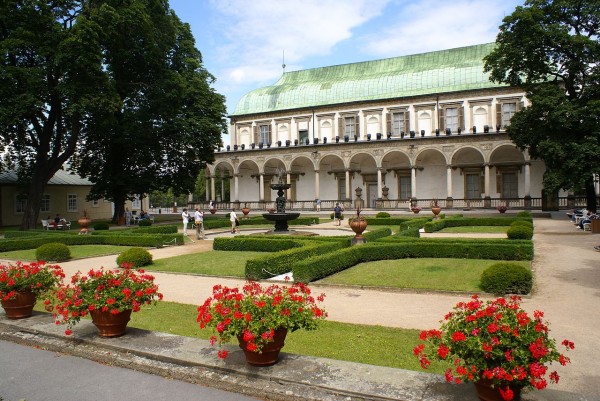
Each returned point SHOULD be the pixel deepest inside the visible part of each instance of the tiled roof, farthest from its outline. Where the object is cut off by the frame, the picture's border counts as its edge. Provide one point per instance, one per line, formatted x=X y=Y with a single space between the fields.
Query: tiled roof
x=61 y=177
x=420 y=74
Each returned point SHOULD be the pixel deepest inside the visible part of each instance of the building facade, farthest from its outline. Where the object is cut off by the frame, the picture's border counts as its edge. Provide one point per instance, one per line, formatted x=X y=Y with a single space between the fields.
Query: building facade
x=377 y=134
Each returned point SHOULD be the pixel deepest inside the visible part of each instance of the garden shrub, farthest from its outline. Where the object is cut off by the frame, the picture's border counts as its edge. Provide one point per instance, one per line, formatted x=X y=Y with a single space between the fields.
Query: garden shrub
x=524 y=214
x=523 y=223
x=101 y=226
x=53 y=252
x=138 y=256
x=382 y=215
x=145 y=223
x=519 y=232
x=341 y=216
x=506 y=278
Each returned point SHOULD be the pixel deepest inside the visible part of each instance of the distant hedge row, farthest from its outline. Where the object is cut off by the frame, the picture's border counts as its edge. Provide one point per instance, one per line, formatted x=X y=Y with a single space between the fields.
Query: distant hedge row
x=437 y=225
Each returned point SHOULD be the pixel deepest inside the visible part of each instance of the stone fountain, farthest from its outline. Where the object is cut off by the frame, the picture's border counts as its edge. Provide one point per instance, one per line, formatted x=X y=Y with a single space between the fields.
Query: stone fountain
x=280 y=216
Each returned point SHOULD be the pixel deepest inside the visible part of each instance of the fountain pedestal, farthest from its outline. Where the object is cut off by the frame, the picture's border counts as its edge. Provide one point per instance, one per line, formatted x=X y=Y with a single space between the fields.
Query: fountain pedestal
x=280 y=217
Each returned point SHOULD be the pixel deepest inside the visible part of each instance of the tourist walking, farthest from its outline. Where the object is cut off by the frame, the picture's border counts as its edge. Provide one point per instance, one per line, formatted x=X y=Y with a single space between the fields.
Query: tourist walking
x=127 y=217
x=234 y=221
x=199 y=222
x=337 y=214
x=186 y=219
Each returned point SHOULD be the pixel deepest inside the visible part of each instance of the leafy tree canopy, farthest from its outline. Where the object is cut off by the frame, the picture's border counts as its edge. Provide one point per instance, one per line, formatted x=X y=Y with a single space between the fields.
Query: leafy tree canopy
x=551 y=49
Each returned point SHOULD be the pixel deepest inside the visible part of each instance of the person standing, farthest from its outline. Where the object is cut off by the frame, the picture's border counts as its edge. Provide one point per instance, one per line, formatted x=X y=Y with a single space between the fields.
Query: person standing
x=186 y=219
x=337 y=214
x=127 y=217
x=233 y=219
x=318 y=204
x=199 y=221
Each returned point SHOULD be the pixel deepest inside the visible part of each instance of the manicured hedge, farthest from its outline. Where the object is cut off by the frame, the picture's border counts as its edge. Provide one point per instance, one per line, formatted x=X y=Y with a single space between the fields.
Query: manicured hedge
x=282 y=262
x=324 y=265
x=437 y=225
x=106 y=238
x=255 y=244
x=506 y=278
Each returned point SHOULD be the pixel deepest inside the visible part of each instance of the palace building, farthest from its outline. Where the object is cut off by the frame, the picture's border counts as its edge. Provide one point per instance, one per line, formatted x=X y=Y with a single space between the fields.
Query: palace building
x=376 y=134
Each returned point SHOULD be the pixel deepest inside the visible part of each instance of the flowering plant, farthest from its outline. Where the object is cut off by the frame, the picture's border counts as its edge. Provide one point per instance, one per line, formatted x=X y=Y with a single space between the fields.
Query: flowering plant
x=496 y=341
x=108 y=290
x=255 y=312
x=36 y=277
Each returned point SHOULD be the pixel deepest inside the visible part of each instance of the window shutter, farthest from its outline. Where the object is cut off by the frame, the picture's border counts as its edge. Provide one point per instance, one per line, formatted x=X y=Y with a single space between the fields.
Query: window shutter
x=406 y=122
x=340 y=127
x=388 y=122
x=461 y=117
x=442 y=120
x=255 y=133
x=269 y=134
x=498 y=113
x=357 y=125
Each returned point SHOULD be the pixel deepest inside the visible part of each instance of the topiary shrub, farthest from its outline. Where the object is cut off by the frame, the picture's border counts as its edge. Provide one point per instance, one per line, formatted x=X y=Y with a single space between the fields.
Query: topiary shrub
x=138 y=256
x=101 y=226
x=506 y=278
x=382 y=215
x=145 y=223
x=519 y=232
x=53 y=252
x=523 y=223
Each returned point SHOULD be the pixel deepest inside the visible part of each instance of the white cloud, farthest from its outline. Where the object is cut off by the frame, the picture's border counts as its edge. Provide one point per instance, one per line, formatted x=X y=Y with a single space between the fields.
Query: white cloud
x=428 y=25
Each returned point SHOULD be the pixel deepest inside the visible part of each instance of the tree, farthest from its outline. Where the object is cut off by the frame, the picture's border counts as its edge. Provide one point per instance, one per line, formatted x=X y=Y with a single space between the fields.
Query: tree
x=551 y=49
x=169 y=119
x=51 y=79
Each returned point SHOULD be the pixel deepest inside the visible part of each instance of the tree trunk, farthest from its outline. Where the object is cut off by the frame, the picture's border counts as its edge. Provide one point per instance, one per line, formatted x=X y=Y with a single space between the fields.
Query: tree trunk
x=119 y=201
x=590 y=194
x=34 y=201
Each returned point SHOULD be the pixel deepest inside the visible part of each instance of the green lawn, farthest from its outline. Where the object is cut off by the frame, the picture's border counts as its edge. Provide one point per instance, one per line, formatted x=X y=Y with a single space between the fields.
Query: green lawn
x=423 y=273
x=212 y=263
x=476 y=229
x=77 y=251
x=375 y=345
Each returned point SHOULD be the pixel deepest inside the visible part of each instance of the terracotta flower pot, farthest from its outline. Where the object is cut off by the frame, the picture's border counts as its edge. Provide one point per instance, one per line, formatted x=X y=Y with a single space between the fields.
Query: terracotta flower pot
x=110 y=325
x=20 y=307
x=358 y=226
x=486 y=392
x=270 y=352
x=436 y=210
x=415 y=210
x=245 y=210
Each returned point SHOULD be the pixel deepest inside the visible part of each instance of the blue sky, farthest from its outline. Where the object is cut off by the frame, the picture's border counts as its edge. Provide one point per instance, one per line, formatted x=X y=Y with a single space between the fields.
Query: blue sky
x=242 y=41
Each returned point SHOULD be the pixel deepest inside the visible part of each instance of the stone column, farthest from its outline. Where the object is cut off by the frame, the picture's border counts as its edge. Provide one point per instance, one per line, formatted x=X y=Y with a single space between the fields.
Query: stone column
x=362 y=126
x=413 y=182
x=261 y=188
x=293 y=131
x=448 y=181
x=288 y=180
x=213 y=193
x=379 y=196
x=527 y=179
x=273 y=138
x=317 y=185
x=347 y=184
x=236 y=187
x=487 y=181
x=336 y=126
x=207 y=186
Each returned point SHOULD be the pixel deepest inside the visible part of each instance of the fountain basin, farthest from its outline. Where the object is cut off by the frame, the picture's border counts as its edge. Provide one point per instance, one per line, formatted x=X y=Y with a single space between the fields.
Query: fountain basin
x=281 y=220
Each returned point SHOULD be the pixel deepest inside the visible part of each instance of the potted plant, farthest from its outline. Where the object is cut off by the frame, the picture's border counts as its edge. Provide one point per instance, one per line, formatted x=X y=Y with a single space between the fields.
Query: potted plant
x=259 y=317
x=22 y=283
x=245 y=210
x=494 y=344
x=109 y=296
x=435 y=208
x=412 y=205
x=502 y=208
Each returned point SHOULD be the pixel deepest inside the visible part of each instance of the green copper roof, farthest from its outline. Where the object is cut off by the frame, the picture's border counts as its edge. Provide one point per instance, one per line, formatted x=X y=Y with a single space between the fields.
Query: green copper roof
x=419 y=74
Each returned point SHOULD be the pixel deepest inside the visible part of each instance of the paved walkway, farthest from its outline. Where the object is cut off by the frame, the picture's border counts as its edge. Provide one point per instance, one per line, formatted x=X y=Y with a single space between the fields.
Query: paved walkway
x=566 y=266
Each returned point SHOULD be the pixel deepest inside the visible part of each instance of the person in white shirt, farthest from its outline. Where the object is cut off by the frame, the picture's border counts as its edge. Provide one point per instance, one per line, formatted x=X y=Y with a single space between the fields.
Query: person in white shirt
x=199 y=221
x=233 y=219
x=186 y=219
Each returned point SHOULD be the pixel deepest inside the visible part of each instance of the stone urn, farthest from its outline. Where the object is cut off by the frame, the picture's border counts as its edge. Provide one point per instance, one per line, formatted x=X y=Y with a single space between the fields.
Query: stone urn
x=84 y=223
x=245 y=210
x=358 y=224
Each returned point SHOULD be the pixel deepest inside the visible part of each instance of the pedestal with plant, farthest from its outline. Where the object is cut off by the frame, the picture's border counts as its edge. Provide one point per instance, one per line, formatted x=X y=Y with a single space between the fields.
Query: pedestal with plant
x=22 y=283
x=358 y=224
x=109 y=296
x=259 y=317
x=496 y=345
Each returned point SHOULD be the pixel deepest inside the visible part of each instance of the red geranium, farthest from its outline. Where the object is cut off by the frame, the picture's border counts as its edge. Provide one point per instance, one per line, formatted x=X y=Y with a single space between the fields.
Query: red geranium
x=494 y=340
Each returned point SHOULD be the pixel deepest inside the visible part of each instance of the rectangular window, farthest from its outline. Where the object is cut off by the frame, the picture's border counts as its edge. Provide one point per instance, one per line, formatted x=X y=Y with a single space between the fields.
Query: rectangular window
x=452 y=118
x=405 y=187
x=20 y=203
x=71 y=203
x=303 y=135
x=510 y=186
x=265 y=134
x=341 y=188
x=136 y=203
x=398 y=124
x=349 y=127
x=508 y=111
x=472 y=186
x=45 y=205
